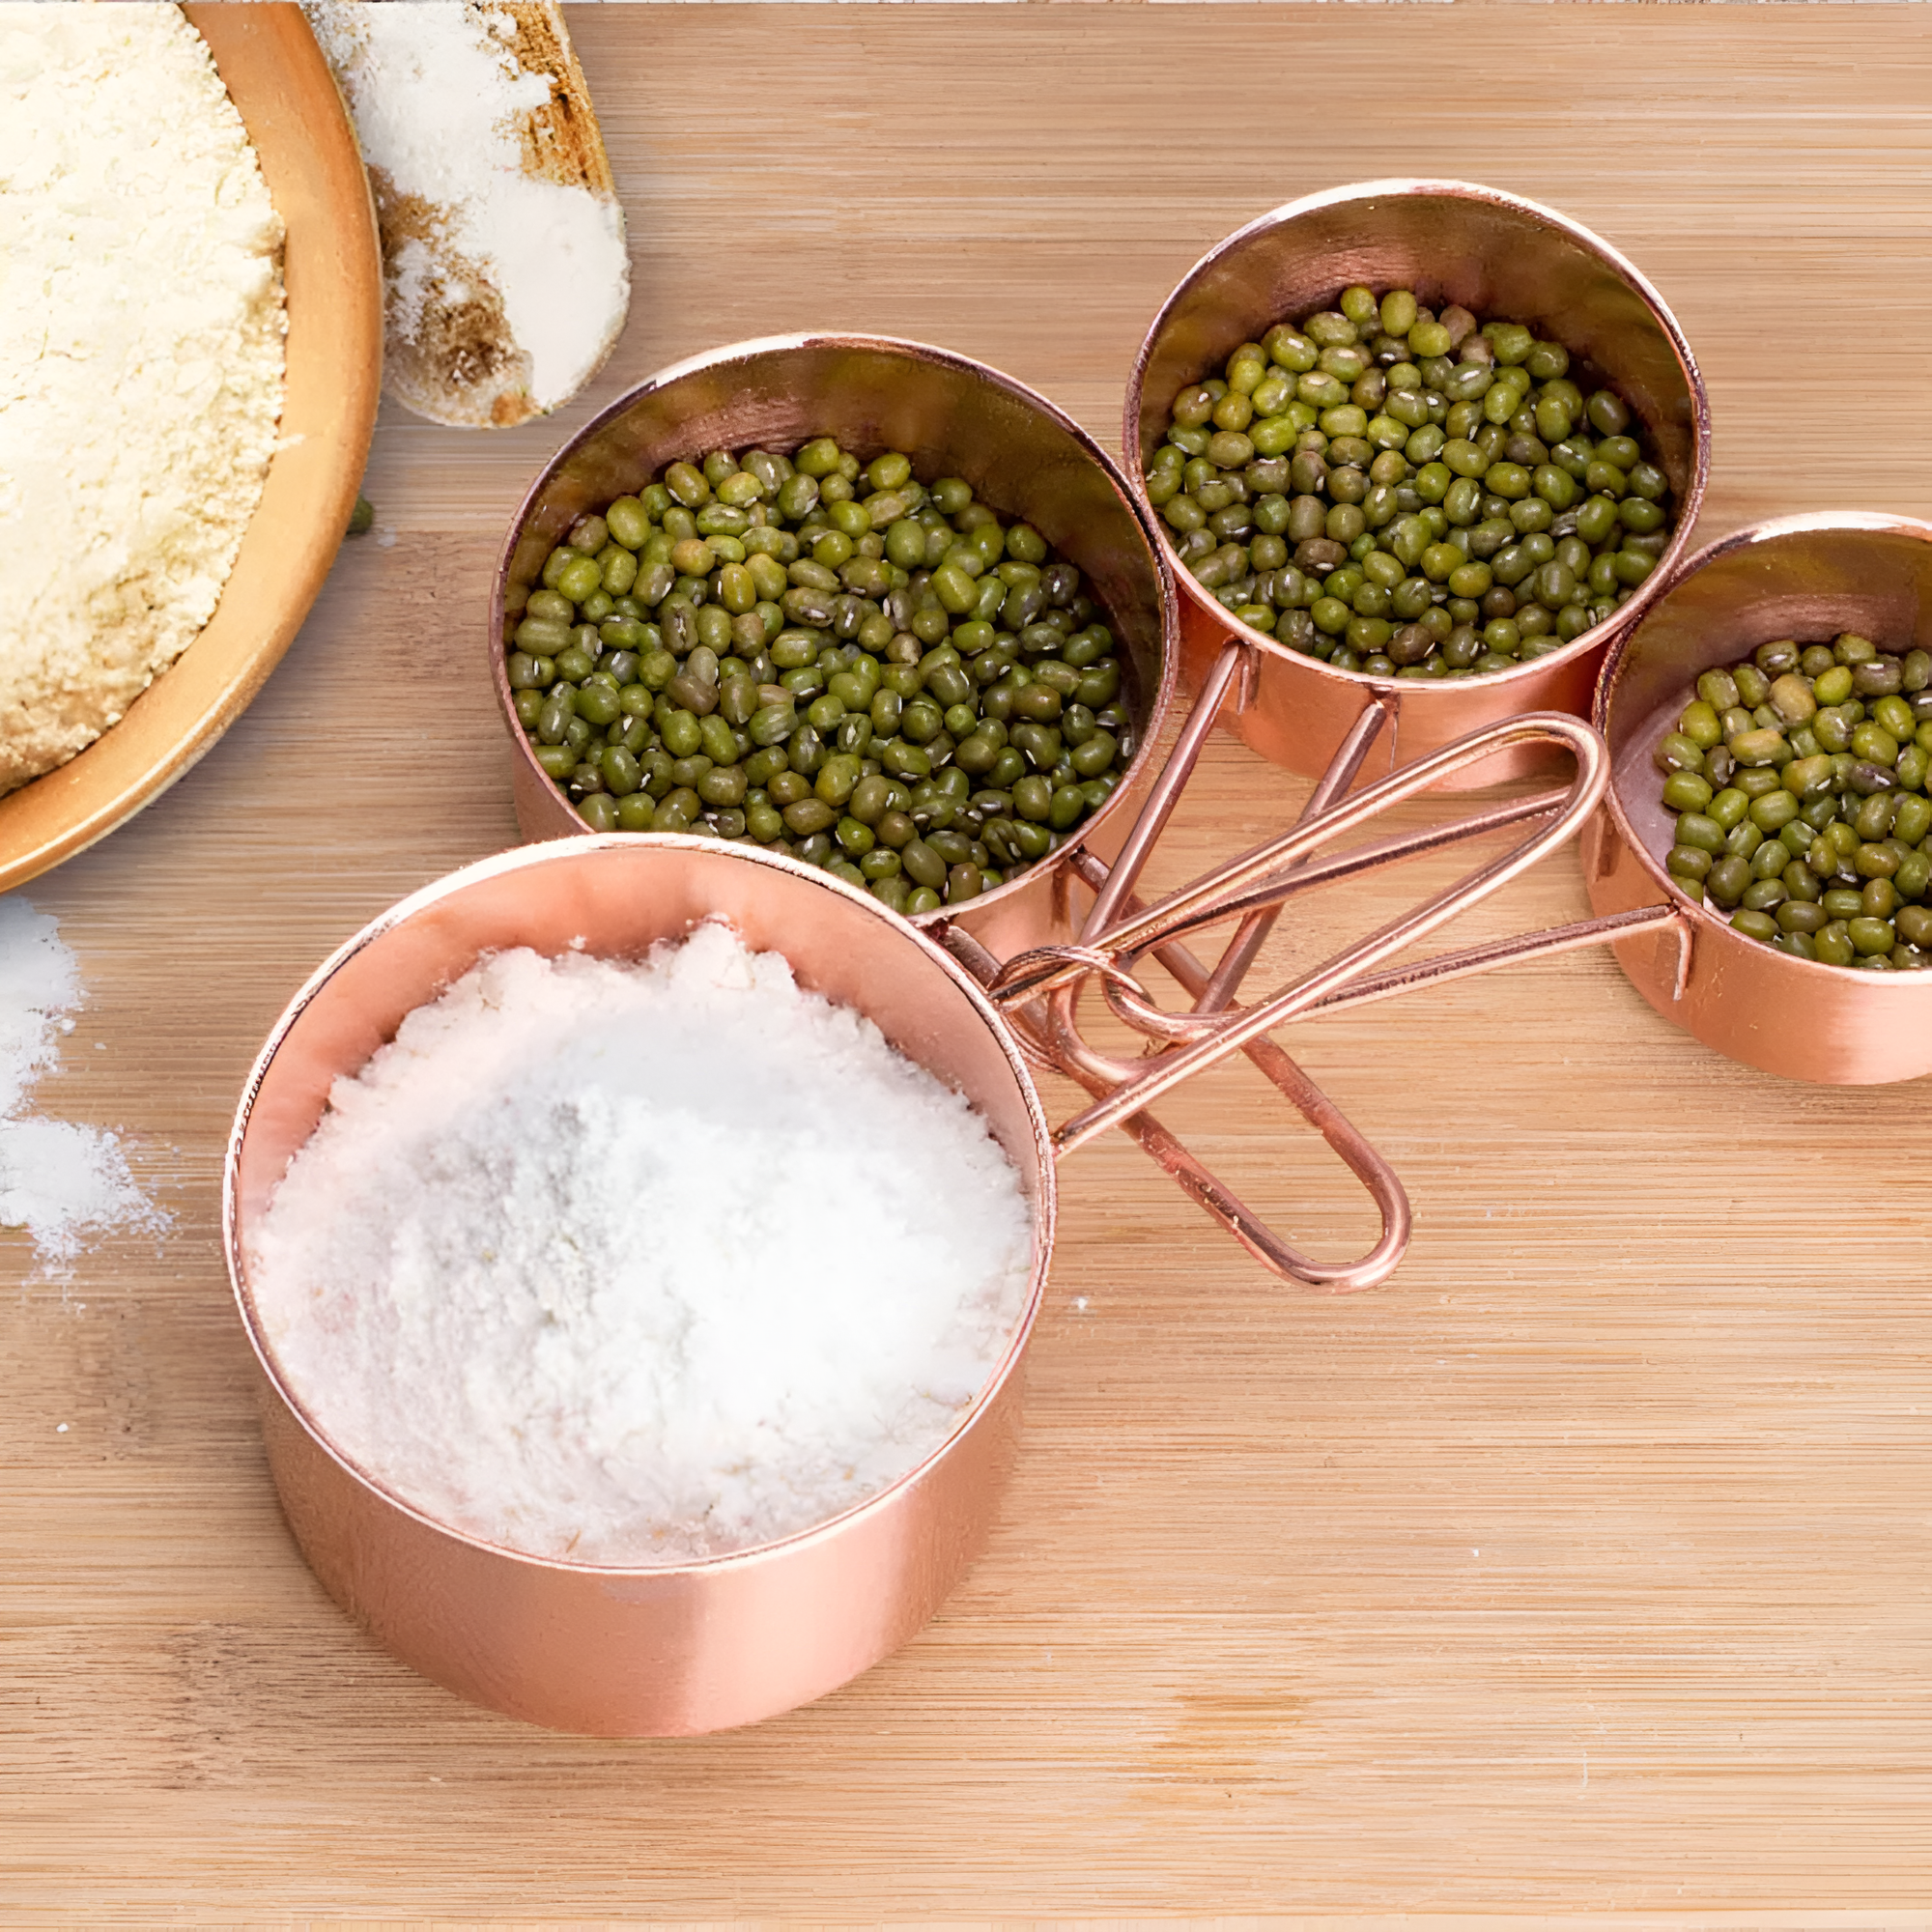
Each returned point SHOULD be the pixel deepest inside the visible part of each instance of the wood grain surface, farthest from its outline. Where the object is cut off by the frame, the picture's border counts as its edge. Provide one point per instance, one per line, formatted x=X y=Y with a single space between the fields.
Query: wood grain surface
x=1585 y=1568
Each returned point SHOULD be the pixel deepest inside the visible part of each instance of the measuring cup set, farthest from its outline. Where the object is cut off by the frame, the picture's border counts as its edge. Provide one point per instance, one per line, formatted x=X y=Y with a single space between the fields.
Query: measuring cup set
x=979 y=991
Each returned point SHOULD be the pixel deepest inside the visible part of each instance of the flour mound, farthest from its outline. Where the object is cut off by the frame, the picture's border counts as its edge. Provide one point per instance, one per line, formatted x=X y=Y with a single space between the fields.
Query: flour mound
x=140 y=361
x=640 y=1263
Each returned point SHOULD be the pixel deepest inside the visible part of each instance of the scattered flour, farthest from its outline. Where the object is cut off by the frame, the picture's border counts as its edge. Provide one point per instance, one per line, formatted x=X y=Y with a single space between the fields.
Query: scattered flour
x=58 y=1181
x=140 y=361
x=636 y=1263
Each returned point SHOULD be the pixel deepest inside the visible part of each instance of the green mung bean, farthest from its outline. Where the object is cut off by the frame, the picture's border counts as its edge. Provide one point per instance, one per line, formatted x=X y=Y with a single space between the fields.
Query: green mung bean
x=1802 y=806
x=832 y=660
x=1460 y=453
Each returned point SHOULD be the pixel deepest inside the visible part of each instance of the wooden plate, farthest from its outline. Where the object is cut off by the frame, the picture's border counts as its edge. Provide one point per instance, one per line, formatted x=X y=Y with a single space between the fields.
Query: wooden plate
x=332 y=267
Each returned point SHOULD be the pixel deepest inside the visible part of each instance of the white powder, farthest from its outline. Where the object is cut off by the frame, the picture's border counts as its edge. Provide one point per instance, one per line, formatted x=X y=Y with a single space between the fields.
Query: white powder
x=58 y=1181
x=476 y=244
x=635 y=1263
x=140 y=361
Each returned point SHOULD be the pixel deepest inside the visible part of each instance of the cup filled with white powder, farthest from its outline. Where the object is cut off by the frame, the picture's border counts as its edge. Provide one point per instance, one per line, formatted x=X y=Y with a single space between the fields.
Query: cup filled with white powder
x=639 y=1238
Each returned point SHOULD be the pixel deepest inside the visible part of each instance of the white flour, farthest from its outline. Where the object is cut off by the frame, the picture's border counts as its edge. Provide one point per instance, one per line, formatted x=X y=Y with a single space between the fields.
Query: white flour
x=437 y=96
x=640 y=1263
x=58 y=1181
x=140 y=361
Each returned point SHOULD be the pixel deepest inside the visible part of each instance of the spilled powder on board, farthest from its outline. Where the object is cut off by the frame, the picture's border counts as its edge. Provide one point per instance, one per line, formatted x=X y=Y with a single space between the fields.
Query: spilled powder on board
x=638 y=1264
x=59 y=1182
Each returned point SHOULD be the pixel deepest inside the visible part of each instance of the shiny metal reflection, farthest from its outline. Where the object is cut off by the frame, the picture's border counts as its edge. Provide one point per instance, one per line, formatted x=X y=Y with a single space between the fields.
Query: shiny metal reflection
x=1803 y=577
x=953 y=416
x=687 y=1648
x=1496 y=254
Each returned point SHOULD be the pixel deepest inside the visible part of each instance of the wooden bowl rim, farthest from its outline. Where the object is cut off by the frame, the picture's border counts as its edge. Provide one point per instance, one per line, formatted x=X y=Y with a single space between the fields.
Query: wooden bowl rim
x=296 y=118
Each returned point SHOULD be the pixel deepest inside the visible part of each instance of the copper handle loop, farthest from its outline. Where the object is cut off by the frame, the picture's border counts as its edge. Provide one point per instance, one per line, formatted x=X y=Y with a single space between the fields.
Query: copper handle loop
x=1049 y=1036
x=1229 y=888
x=1273 y=892
x=1344 y=1138
x=1040 y=991
x=1251 y=879
x=1170 y=1155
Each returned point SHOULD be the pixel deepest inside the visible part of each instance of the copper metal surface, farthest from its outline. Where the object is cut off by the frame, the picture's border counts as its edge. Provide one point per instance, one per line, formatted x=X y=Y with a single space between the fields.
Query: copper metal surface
x=953 y=416
x=699 y=1646
x=702 y=1646
x=1271 y=872
x=1449 y=242
x=1806 y=578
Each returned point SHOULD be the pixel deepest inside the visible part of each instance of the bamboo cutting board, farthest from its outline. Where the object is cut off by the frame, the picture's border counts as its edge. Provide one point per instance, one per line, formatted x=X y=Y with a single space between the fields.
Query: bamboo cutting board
x=1584 y=1568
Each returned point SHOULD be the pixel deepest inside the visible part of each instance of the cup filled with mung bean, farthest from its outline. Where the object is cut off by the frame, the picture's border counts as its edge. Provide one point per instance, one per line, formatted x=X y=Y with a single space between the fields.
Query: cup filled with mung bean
x=1798 y=778
x=861 y=603
x=1765 y=722
x=1415 y=444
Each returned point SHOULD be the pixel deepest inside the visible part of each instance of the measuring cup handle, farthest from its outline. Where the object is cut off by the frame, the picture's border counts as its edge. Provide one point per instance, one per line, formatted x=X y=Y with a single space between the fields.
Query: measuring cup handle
x=1269 y=872
x=1041 y=1039
x=1279 y=1257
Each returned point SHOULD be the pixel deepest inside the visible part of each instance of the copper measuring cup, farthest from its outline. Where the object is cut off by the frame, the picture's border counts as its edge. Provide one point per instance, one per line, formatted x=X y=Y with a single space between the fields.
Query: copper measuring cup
x=698 y=1646
x=694 y=1646
x=1803 y=577
x=1496 y=254
x=953 y=416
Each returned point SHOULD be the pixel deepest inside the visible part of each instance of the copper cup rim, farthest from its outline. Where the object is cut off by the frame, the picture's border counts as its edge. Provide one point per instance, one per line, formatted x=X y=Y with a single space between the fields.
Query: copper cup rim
x=1159 y=703
x=1707 y=924
x=561 y=850
x=1431 y=691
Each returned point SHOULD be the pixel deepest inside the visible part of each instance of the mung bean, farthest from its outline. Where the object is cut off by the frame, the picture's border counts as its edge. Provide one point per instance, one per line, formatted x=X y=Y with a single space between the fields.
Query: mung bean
x=1799 y=778
x=1410 y=493
x=832 y=658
